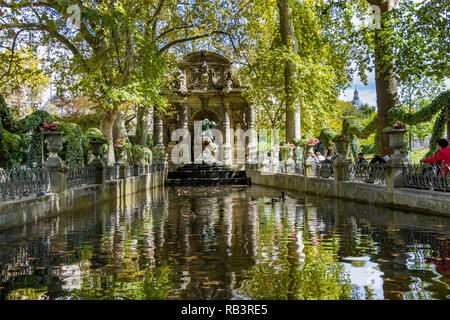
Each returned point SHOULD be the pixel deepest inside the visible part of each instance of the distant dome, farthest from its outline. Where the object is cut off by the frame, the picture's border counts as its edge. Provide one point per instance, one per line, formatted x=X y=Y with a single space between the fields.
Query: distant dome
x=356 y=102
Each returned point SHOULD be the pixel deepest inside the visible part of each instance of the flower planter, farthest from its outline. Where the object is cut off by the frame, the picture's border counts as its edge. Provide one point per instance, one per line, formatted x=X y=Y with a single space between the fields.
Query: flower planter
x=97 y=148
x=54 y=142
x=341 y=147
x=119 y=153
x=396 y=141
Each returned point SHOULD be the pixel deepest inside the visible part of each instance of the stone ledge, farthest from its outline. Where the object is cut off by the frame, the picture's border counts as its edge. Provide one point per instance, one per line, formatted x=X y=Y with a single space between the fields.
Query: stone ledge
x=422 y=201
x=31 y=209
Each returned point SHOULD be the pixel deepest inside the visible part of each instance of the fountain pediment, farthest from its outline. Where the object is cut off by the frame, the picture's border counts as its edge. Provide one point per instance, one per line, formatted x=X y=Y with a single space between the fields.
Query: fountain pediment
x=204 y=71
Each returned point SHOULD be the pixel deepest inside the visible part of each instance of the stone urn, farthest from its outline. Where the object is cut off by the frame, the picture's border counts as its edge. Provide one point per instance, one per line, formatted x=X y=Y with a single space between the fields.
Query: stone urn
x=120 y=154
x=54 y=143
x=97 y=148
x=396 y=141
x=311 y=148
x=341 y=147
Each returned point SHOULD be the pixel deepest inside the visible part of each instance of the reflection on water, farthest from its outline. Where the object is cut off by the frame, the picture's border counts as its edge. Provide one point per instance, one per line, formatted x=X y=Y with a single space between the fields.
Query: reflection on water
x=228 y=243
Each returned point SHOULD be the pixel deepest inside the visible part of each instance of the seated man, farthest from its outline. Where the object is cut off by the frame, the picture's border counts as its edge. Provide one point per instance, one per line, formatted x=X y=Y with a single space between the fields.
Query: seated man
x=361 y=159
x=319 y=156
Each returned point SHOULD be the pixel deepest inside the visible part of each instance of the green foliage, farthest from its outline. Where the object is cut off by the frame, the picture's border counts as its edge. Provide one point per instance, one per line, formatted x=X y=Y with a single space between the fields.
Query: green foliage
x=21 y=72
x=148 y=155
x=137 y=154
x=96 y=134
x=438 y=106
x=327 y=136
x=30 y=125
x=352 y=127
x=33 y=122
x=440 y=103
x=85 y=121
x=75 y=145
x=159 y=156
x=438 y=132
x=6 y=118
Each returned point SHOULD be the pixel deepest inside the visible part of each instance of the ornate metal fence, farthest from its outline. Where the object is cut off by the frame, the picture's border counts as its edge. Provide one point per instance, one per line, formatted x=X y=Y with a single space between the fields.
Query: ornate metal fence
x=323 y=170
x=426 y=176
x=17 y=183
x=367 y=173
x=112 y=173
x=79 y=176
x=130 y=171
x=299 y=168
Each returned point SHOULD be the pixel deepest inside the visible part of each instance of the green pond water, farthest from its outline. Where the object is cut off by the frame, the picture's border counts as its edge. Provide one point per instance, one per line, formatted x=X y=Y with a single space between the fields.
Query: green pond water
x=228 y=243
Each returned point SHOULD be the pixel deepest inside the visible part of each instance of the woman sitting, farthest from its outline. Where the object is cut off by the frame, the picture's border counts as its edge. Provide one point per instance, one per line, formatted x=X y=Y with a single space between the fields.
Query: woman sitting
x=442 y=156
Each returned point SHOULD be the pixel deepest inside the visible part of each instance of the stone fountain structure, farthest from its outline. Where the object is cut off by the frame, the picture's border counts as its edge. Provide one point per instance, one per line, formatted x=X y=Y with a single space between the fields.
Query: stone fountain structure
x=204 y=88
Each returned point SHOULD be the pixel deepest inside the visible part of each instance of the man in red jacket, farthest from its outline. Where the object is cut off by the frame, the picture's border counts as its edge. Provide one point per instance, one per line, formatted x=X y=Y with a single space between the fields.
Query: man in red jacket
x=442 y=156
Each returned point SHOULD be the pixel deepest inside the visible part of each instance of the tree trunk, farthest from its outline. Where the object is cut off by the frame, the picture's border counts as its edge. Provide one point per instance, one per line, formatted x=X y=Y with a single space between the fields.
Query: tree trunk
x=387 y=95
x=119 y=129
x=288 y=40
x=107 y=125
x=142 y=117
x=448 y=123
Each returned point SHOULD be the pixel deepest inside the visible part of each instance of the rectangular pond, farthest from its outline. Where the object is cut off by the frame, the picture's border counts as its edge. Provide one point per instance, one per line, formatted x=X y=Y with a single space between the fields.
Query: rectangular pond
x=228 y=243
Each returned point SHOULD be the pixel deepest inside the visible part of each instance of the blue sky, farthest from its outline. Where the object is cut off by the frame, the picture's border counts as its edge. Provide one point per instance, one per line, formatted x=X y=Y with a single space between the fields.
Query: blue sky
x=367 y=94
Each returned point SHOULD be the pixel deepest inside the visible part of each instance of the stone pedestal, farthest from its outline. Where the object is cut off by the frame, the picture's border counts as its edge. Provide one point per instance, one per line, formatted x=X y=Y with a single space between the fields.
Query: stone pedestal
x=227 y=149
x=122 y=171
x=54 y=163
x=159 y=135
x=341 y=168
x=58 y=180
x=308 y=169
x=275 y=161
x=253 y=143
x=100 y=171
x=394 y=166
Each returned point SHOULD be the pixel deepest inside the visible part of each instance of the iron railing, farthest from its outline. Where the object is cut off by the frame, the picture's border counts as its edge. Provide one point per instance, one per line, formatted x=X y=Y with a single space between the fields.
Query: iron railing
x=323 y=170
x=130 y=171
x=21 y=182
x=367 y=173
x=427 y=177
x=299 y=168
x=112 y=173
x=79 y=176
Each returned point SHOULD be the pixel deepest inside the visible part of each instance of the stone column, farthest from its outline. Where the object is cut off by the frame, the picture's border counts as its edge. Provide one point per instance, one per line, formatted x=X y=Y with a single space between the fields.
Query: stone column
x=253 y=143
x=341 y=168
x=227 y=147
x=58 y=171
x=56 y=166
x=394 y=173
x=184 y=116
x=159 y=135
x=308 y=168
x=394 y=166
x=100 y=171
x=275 y=151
